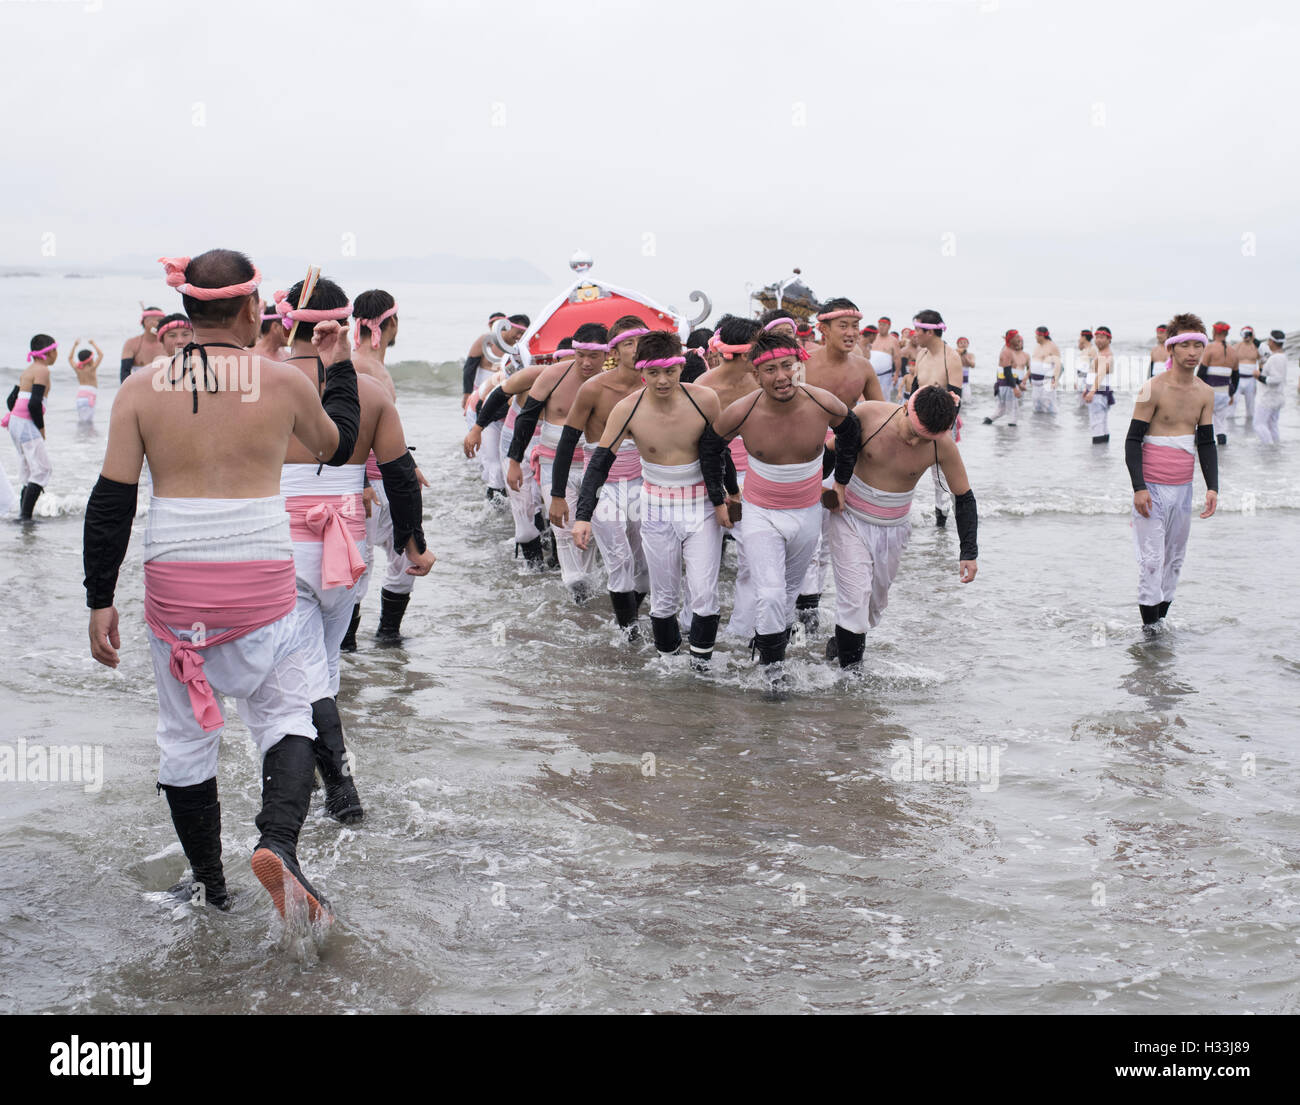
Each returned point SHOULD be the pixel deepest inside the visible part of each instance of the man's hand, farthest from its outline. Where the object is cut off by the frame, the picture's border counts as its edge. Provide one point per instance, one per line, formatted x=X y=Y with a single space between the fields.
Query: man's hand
x=838 y=508
x=104 y=639
x=368 y=499
x=514 y=476
x=331 y=342
x=1211 y=504
x=559 y=514
x=723 y=515
x=968 y=570
x=1088 y=395
x=582 y=535
x=1142 y=502
x=422 y=479
x=1017 y=392
x=473 y=440
x=421 y=562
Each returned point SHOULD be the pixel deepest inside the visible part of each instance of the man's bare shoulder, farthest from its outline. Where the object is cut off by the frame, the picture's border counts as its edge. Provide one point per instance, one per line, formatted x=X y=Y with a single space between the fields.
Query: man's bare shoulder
x=704 y=397
x=824 y=398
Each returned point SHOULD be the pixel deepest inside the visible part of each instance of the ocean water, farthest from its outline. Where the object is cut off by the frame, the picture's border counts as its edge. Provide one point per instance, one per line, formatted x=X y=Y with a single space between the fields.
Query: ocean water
x=559 y=821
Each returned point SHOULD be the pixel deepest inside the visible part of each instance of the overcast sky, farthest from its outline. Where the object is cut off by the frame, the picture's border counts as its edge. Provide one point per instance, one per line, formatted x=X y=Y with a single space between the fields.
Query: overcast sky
x=959 y=148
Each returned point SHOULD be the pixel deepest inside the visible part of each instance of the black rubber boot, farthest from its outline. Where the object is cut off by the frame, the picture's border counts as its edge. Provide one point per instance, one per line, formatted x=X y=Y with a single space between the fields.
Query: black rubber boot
x=668 y=634
x=31 y=492
x=1150 y=614
x=497 y=495
x=806 y=612
x=287 y=773
x=196 y=813
x=1101 y=440
x=988 y=422
x=832 y=649
x=640 y=598
x=940 y=518
x=849 y=646
x=341 y=800
x=704 y=632
x=553 y=554
x=624 y=604
x=349 y=642
x=534 y=557
x=1164 y=607
x=391 y=608
x=1223 y=439
x=770 y=646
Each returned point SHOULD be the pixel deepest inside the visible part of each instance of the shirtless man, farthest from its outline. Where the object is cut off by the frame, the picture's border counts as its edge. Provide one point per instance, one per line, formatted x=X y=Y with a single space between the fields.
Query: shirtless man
x=1172 y=422
x=617 y=521
x=270 y=342
x=1247 y=351
x=735 y=375
x=868 y=537
x=86 y=365
x=1012 y=362
x=1045 y=371
x=784 y=426
x=143 y=348
x=1219 y=370
x=683 y=518
x=937 y=365
x=327 y=522
x=1159 y=355
x=1100 y=397
x=967 y=364
x=886 y=344
x=218 y=561
x=551 y=395
x=25 y=420
x=484 y=357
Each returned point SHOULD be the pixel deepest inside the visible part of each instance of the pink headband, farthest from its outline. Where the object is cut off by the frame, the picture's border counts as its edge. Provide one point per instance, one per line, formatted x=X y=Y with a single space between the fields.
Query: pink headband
x=176 y=266
x=375 y=325
x=175 y=324
x=929 y=325
x=846 y=312
x=625 y=335
x=916 y=422
x=729 y=352
x=290 y=314
x=1171 y=342
x=590 y=346
x=152 y=314
x=54 y=348
x=773 y=354
x=269 y=315
x=782 y=322
x=661 y=362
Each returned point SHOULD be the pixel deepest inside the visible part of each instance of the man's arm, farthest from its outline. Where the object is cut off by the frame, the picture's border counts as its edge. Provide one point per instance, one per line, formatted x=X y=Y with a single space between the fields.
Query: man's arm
x=470 y=369
x=1208 y=454
x=402 y=487
x=871 y=388
x=954 y=475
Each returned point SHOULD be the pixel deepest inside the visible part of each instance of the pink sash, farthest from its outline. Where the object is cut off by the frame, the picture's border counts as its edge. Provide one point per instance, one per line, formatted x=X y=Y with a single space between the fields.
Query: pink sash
x=87 y=392
x=244 y=595
x=626 y=466
x=540 y=453
x=337 y=522
x=739 y=454
x=511 y=415
x=774 y=495
x=1166 y=464
x=20 y=409
x=690 y=493
x=866 y=507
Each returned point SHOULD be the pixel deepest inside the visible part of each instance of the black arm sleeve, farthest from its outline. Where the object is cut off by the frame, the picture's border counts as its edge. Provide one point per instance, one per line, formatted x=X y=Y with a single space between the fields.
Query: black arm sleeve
x=1202 y=372
x=712 y=446
x=404 y=501
x=343 y=405
x=128 y=363
x=563 y=461
x=525 y=424
x=1233 y=381
x=730 y=478
x=106 y=534
x=1137 y=430
x=828 y=461
x=1009 y=375
x=36 y=406
x=13 y=398
x=602 y=460
x=967 y=524
x=848 y=439
x=469 y=372
x=1209 y=455
x=493 y=408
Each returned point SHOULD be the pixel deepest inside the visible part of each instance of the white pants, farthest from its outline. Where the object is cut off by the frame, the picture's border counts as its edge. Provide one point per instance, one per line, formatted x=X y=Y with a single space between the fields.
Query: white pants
x=1245 y=396
x=778 y=546
x=616 y=525
x=814 y=579
x=490 y=451
x=323 y=617
x=33 y=457
x=576 y=566
x=86 y=406
x=677 y=534
x=865 y=558
x=1044 y=397
x=1161 y=541
x=379 y=533
x=1007 y=404
x=1266 y=423
x=1099 y=416
x=1221 y=412
x=265 y=674
x=527 y=501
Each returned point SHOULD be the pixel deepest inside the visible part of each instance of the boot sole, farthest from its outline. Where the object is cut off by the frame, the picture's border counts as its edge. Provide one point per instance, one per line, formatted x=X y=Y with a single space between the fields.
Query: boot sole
x=277 y=878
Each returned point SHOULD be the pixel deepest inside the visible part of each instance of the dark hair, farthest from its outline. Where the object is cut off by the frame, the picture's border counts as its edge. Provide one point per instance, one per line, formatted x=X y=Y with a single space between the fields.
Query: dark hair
x=935 y=408
x=695 y=367
x=657 y=344
x=933 y=318
x=737 y=331
x=591 y=332
x=767 y=340
x=41 y=341
x=775 y=313
x=372 y=304
x=564 y=343
x=699 y=339
x=626 y=322
x=494 y=316
x=1185 y=324
x=326 y=296
x=520 y=320
x=218 y=268
x=85 y=355
x=837 y=304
